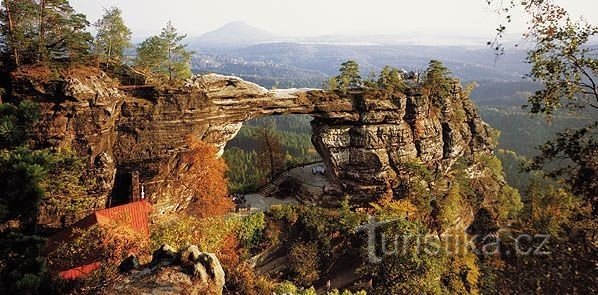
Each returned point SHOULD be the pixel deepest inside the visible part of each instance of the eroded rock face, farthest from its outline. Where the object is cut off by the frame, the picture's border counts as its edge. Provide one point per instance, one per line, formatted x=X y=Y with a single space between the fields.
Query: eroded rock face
x=187 y=271
x=363 y=137
x=369 y=147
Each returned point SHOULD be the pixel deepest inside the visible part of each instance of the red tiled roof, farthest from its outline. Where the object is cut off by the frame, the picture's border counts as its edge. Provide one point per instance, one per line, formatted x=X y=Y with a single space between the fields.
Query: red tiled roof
x=80 y=271
x=134 y=215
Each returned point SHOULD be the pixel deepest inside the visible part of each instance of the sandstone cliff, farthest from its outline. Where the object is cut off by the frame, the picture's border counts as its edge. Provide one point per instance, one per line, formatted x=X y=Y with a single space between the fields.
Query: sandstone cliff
x=364 y=137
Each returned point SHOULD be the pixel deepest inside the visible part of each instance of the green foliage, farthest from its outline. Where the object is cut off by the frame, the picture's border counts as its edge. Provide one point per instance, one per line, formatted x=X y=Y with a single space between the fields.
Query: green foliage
x=332 y=84
x=437 y=80
x=284 y=212
x=45 y=31
x=349 y=75
x=241 y=154
x=409 y=268
x=27 y=176
x=304 y=262
x=16 y=123
x=165 y=56
x=112 y=37
x=270 y=153
x=209 y=234
x=450 y=207
x=151 y=55
x=315 y=237
x=565 y=63
x=562 y=62
x=243 y=174
x=512 y=167
x=414 y=187
x=250 y=231
x=64 y=32
x=413 y=258
x=319 y=224
x=65 y=190
x=390 y=79
x=550 y=207
x=286 y=288
x=21 y=172
x=22 y=269
x=348 y=78
x=507 y=202
x=21 y=35
x=580 y=147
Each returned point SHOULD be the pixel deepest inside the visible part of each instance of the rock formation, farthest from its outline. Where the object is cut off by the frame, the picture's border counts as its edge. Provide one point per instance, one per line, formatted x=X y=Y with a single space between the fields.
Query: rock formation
x=187 y=272
x=364 y=138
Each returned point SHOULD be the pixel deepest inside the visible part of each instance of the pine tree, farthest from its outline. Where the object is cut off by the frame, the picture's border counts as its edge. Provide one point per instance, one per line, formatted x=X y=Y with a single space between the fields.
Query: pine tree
x=391 y=79
x=164 y=55
x=150 y=55
x=332 y=84
x=112 y=36
x=349 y=75
x=437 y=79
x=43 y=31
x=179 y=58
x=62 y=32
x=19 y=30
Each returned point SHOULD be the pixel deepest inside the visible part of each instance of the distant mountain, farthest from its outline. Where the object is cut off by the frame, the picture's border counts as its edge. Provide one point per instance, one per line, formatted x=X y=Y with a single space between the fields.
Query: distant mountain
x=234 y=34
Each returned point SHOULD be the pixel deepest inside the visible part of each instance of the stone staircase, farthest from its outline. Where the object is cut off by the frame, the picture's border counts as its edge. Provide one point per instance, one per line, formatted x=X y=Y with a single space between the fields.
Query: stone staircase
x=271 y=187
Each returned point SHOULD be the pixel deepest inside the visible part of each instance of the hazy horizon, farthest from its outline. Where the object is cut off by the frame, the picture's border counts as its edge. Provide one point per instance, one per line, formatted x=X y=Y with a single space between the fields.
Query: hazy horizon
x=467 y=19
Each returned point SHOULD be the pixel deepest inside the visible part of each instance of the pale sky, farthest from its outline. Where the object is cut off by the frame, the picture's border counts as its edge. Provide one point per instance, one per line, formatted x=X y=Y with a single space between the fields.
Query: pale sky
x=320 y=17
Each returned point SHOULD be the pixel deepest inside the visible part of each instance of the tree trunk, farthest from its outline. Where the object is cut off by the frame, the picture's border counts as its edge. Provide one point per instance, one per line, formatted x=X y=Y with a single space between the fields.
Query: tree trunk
x=42 y=9
x=271 y=154
x=15 y=50
x=169 y=62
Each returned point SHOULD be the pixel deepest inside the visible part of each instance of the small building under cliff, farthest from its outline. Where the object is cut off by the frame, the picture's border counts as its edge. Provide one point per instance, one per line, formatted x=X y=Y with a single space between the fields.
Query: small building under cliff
x=134 y=216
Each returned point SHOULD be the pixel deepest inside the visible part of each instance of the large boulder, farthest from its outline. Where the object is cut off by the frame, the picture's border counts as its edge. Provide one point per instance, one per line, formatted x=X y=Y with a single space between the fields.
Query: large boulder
x=188 y=271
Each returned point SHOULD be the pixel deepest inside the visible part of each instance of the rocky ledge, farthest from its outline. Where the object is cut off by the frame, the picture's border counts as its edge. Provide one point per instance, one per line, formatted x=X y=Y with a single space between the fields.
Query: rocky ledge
x=188 y=271
x=364 y=137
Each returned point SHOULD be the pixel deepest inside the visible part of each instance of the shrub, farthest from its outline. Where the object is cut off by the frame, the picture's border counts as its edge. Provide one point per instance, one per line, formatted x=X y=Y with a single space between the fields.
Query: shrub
x=304 y=262
x=106 y=244
x=283 y=212
x=251 y=230
x=209 y=234
x=286 y=288
x=203 y=177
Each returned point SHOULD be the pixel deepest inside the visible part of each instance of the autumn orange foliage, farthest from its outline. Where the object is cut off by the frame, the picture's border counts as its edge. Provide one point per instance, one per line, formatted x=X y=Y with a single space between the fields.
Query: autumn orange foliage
x=204 y=179
x=108 y=244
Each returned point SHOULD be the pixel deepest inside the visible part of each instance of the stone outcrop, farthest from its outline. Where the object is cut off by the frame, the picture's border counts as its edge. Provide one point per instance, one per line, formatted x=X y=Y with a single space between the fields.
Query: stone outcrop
x=188 y=271
x=364 y=138
x=369 y=146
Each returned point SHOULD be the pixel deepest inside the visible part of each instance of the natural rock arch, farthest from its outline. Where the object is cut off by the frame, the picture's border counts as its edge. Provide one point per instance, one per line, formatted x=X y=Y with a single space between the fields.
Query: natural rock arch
x=362 y=136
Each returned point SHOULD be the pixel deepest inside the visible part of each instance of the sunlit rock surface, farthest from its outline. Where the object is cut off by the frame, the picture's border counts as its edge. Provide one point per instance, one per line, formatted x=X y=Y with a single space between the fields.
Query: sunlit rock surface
x=364 y=138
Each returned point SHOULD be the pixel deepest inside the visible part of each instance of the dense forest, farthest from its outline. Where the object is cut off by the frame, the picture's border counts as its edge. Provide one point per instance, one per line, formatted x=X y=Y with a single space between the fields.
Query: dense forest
x=294 y=133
